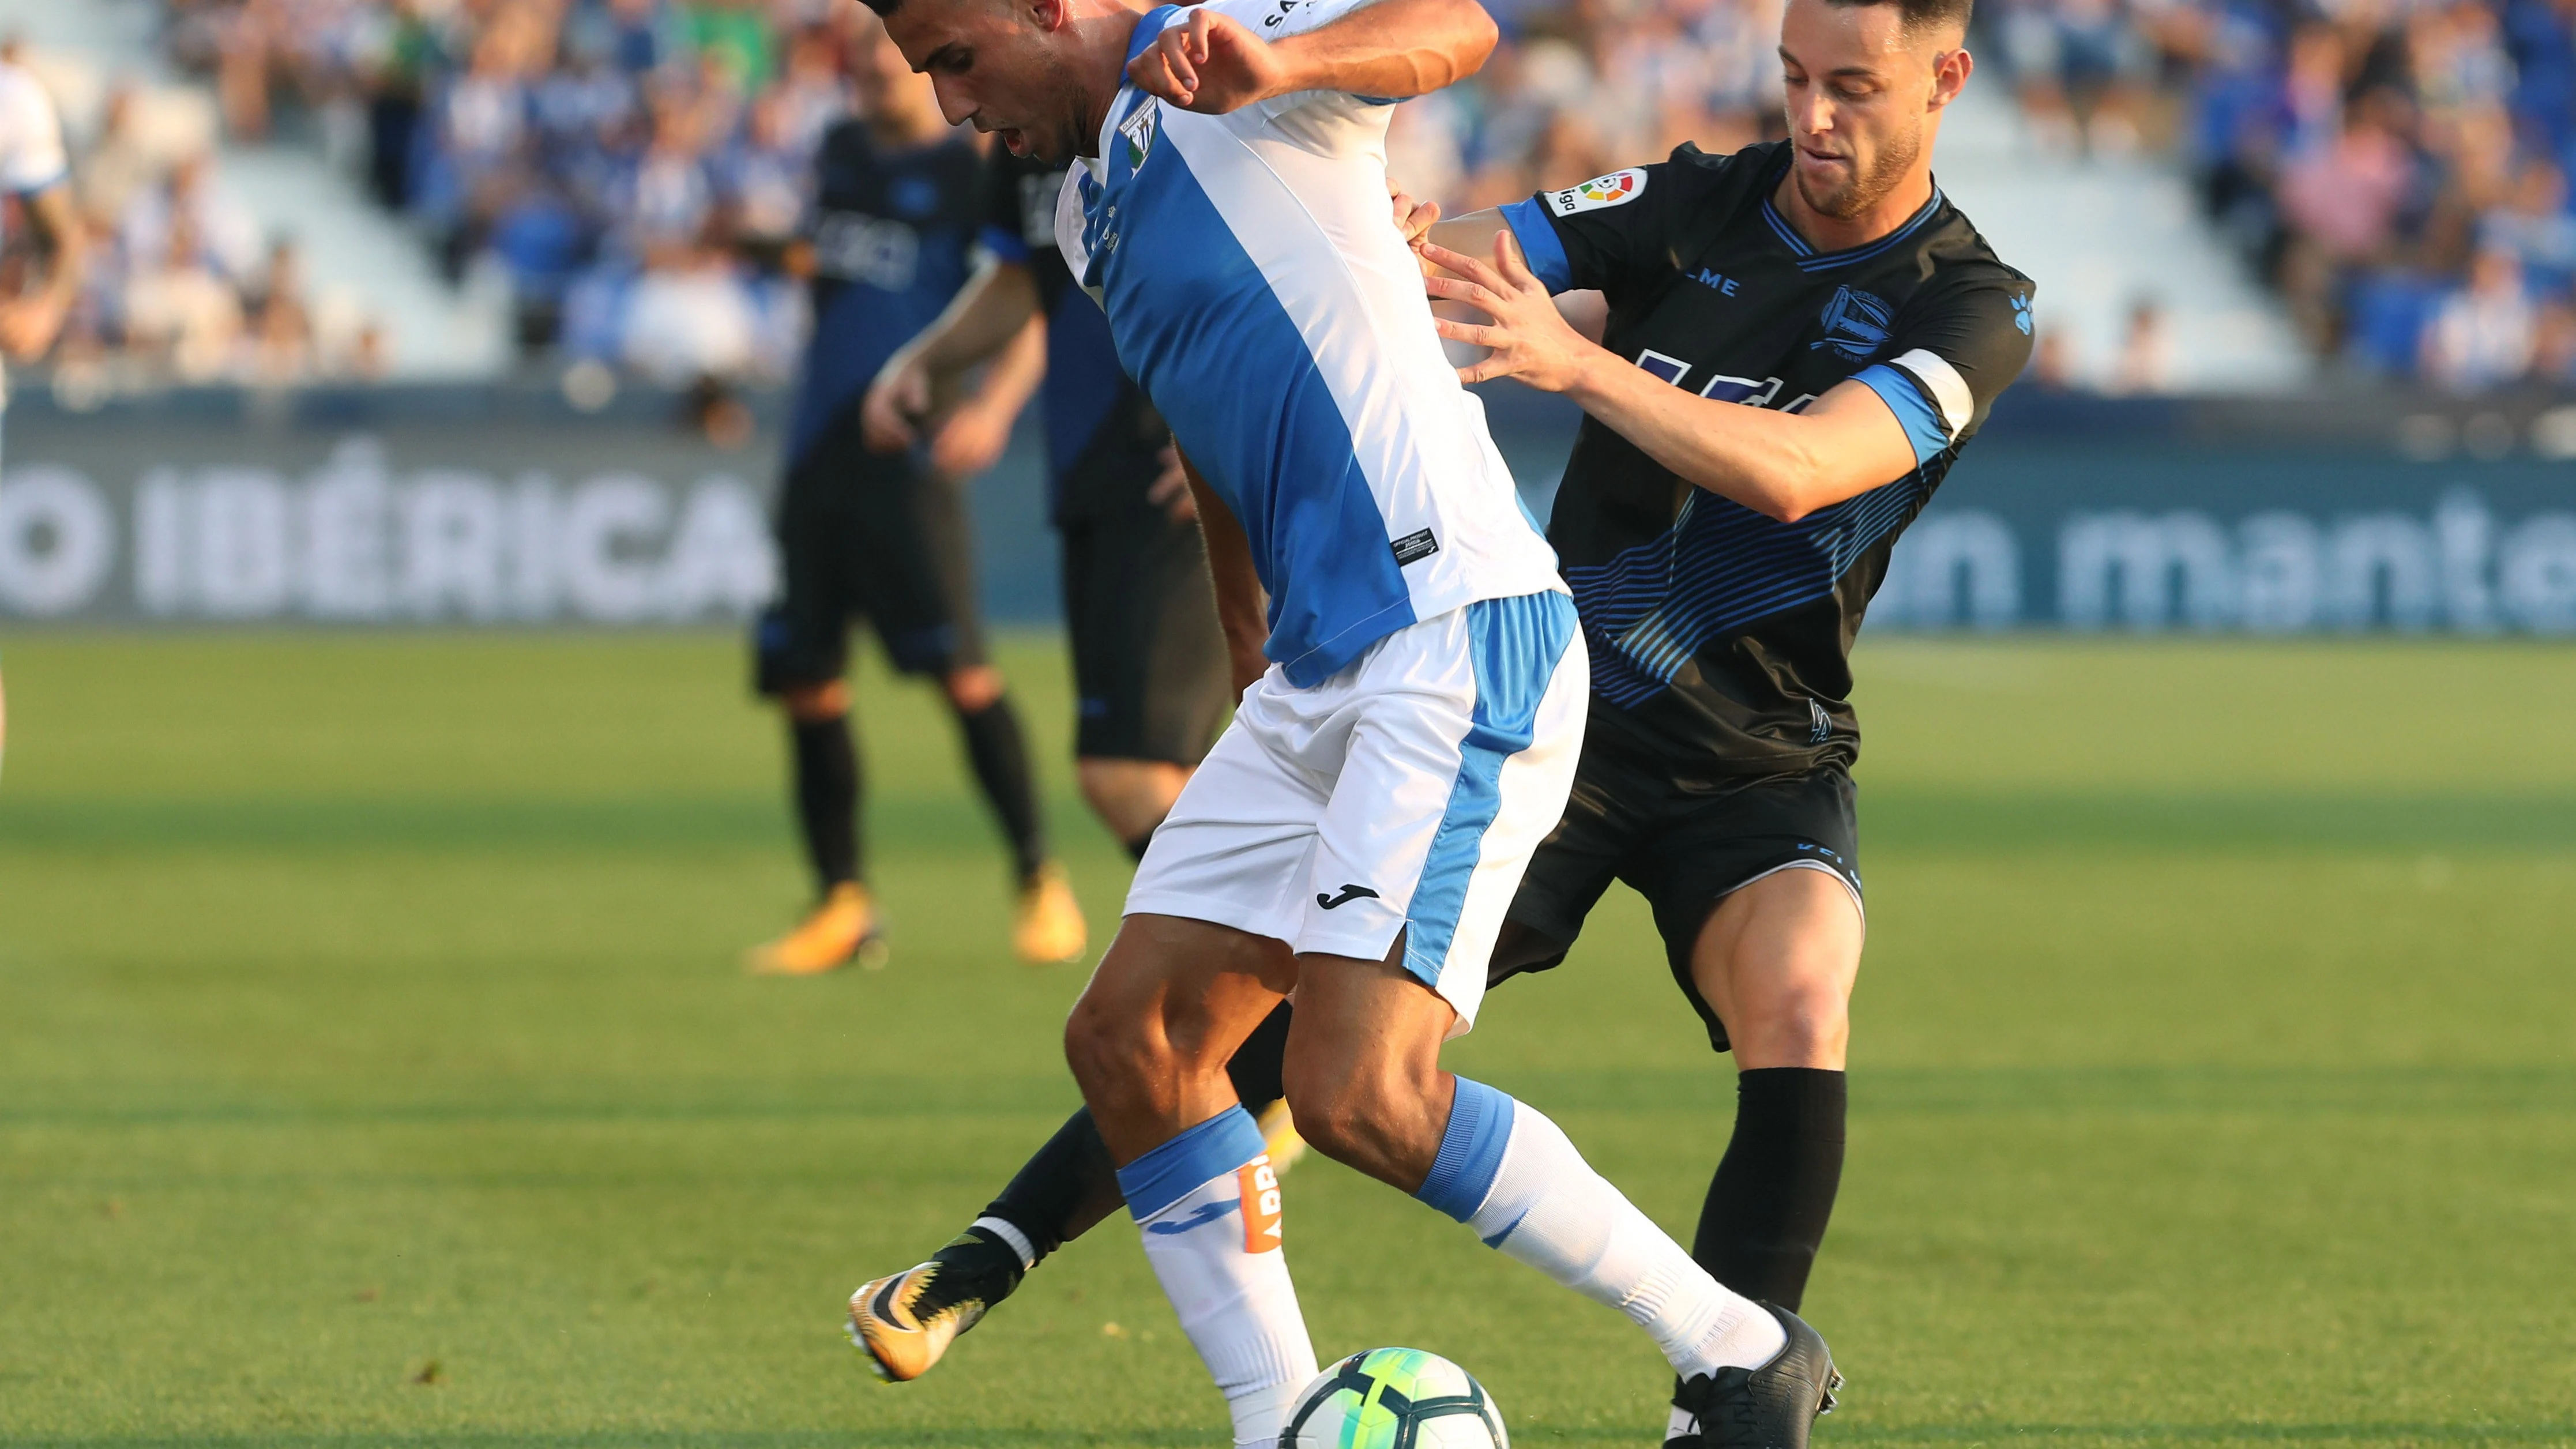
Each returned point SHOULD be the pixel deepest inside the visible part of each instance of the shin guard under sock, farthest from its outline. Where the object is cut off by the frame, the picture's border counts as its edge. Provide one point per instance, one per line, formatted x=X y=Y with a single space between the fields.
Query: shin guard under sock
x=1207 y=1206
x=1510 y=1173
x=1774 y=1190
x=827 y=797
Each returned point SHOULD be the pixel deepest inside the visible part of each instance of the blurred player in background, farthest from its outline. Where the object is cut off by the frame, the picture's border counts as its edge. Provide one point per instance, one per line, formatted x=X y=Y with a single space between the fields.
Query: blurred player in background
x=1149 y=662
x=884 y=534
x=35 y=173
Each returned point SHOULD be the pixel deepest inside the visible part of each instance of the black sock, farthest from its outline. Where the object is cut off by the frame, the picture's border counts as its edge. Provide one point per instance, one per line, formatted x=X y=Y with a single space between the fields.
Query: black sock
x=1002 y=767
x=827 y=797
x=1260 y=1062
x=1070 y=1185
x=1059 y=1193
x=1774 y=1189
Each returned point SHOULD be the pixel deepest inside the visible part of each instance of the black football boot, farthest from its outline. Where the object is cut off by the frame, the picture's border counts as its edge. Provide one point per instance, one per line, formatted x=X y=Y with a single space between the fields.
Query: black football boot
x=1770 y=1407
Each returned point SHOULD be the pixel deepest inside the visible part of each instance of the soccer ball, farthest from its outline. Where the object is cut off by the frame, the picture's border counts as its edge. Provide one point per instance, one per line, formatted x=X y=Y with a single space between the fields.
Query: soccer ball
x=1394 y=1398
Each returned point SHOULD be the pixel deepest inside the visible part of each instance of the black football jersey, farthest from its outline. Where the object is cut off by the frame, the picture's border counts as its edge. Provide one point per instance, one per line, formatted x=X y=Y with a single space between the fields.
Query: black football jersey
x=1104 y=441
x=1720 y=638
x=892 y=233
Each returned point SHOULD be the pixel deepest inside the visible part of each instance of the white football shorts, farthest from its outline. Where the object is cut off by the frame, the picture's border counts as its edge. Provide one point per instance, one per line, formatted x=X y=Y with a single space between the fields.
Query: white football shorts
x=1403 y=794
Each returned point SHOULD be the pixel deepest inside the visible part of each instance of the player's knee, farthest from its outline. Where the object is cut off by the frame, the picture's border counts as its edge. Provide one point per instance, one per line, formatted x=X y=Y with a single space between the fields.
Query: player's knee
x=1131 y=797
x=816 y=703
x=974 y=688
x=1348 y=1110
x=1804 y=1020
x=1107 y=1047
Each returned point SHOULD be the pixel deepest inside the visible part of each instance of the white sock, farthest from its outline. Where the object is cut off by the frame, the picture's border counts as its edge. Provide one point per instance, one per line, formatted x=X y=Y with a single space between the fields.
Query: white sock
x=1208 y=1207
x=1509 y=1173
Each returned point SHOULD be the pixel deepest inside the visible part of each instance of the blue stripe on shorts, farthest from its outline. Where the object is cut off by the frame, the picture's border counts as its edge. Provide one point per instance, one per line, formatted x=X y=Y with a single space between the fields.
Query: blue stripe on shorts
x=1515 y=644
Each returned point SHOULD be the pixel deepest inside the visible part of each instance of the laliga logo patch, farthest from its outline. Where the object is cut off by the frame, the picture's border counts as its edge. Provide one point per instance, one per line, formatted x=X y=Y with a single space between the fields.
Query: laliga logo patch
x=1259 y=1184
x=1598 y=192
x=1139 y=131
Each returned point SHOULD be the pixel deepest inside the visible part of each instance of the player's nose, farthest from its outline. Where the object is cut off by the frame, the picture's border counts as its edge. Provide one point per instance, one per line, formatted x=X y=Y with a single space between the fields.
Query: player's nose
x=955 y=106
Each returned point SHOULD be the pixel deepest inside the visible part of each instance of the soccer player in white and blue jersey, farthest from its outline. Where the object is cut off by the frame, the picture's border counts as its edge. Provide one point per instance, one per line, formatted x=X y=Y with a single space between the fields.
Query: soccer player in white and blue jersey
x=1359 y=829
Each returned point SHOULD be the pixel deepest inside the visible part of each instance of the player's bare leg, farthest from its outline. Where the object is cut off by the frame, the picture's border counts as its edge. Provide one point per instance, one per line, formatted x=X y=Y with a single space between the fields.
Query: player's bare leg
x=1777 y=961
x=1363 y=1073
x=1131 y=797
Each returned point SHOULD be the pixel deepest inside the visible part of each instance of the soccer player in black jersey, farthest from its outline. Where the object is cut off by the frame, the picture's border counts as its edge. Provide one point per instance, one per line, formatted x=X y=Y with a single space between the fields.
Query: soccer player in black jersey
x=884 y=534
x=1149 y=661
x=1799 y=340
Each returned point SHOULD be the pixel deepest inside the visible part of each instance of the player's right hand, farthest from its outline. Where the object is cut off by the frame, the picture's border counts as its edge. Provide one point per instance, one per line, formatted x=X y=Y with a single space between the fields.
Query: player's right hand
x=900 y=394
x=1210 y=63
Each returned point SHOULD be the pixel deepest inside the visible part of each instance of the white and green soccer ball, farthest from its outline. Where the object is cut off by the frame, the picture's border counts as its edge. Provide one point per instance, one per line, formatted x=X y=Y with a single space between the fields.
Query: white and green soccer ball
x=1394 y=1398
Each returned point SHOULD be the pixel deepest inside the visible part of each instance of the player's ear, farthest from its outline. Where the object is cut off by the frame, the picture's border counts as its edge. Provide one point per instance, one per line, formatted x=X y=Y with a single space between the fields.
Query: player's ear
x=1050 y=15
x=1950 y=71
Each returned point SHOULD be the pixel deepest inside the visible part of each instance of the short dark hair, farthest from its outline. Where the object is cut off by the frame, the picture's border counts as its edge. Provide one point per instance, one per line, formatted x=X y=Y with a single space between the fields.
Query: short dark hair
x=883 y=8
x=1919 y=15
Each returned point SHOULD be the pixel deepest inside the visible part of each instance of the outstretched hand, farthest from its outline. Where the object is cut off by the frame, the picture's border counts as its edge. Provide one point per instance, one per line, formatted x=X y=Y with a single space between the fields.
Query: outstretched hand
x=1527 y=339
x=1210 y=63
x=896 y=400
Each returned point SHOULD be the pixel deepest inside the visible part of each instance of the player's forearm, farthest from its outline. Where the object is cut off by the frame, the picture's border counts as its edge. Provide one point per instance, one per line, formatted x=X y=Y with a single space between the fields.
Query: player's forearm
x=1780 y=465
x=994 y=307
x=57 y=222
x=1242 y=610
x=1394 y=49
x=1015 y=374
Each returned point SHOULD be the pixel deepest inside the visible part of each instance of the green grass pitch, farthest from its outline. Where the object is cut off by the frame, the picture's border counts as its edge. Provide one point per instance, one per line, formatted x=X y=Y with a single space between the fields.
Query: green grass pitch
x=375 y=1067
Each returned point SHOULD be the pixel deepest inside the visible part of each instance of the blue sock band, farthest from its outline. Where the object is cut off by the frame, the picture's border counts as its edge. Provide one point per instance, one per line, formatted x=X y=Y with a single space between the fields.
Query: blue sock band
x=1471 y=1151
x=1183 y=1165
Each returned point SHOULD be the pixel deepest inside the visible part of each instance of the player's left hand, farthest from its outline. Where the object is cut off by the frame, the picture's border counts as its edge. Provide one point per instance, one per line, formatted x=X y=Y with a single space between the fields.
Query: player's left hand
x=1211 y=64
x=1528 y=338
x=1414 y=219
x=1170 y=490
x=970 y=441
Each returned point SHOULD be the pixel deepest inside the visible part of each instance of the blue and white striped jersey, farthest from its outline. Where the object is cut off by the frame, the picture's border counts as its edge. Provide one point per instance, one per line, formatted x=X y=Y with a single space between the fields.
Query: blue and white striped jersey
x=1258 y=292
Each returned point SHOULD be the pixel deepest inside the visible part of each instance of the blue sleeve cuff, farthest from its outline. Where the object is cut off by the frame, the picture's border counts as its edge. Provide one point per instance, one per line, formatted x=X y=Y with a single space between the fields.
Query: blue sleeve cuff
x=1537 y=236
x=1904 y=397
x=1005 y=243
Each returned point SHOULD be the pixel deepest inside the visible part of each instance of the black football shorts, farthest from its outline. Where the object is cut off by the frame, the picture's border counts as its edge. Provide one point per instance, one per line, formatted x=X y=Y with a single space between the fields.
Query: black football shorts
x=1150 y=675
x=871 y=536
x=1684 y=844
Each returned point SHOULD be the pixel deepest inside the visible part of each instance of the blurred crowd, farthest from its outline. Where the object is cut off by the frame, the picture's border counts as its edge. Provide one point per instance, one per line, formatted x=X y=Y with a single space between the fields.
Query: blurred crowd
x=634 y=167
x=2396 y=168
x=183 y=285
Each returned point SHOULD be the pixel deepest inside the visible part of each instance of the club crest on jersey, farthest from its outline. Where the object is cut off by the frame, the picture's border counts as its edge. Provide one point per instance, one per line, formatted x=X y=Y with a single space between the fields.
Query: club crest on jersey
x=1855 y=324
x=1139 y=131
x=1600 y=191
